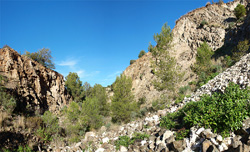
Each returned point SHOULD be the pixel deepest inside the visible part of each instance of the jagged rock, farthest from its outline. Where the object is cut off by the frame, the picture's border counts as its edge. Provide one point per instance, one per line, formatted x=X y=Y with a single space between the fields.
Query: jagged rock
x=105 y=140
x=206 y=146
x=89 y=136
x=41 y=88
x=103 y=129
x=219 y=138
x=207 y=133
x=236 y=141
x=123 y=149
x=100 y=150
x=246 y=126
x=167 y=135
x=179 y=145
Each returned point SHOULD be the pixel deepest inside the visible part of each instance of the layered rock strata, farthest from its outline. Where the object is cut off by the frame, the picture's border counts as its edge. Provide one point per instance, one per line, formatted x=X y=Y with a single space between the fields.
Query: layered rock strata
x=36 y=86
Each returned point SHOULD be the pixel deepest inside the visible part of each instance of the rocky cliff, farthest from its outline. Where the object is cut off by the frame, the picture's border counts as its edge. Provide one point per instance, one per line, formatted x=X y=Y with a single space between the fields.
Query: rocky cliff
x=37 y=87
x=189 y=33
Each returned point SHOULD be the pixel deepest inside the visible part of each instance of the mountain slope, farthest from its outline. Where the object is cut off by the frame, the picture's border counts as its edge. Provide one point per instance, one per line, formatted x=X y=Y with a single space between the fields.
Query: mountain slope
x=188 y=33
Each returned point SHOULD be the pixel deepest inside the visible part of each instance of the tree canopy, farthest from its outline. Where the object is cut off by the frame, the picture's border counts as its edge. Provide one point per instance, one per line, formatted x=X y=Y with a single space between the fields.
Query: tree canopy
x=123 y=100
x=43 y=57
x=74 y=85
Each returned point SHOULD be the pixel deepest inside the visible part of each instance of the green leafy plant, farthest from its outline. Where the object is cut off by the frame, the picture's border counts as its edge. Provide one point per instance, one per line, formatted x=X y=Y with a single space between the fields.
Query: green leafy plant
x=74 y=86
x=126 y=141
x=182 y=133
x=141 y=53
x=239 y=11
x=132 y=61
x=222 y=112
x=50 y=127
x=240 y=50
x=203 y=23
x=122 y=141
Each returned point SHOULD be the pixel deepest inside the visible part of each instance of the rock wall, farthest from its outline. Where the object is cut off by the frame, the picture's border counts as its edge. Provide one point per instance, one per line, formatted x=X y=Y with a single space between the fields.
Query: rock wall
x=142 y=76
x=188 y=35
x=36 y=86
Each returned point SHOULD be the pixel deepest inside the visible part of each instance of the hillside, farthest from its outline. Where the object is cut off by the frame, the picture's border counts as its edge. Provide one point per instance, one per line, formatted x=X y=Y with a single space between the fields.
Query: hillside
x=42 y=111
x=188 y=35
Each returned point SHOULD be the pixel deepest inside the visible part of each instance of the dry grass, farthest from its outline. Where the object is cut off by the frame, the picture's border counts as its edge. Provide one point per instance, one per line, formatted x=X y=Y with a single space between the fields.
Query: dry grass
x=19 y=123
x=3 y=116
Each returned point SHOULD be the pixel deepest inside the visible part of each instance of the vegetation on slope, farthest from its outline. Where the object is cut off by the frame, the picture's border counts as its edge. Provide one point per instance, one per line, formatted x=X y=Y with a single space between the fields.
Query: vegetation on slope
x=222 y=112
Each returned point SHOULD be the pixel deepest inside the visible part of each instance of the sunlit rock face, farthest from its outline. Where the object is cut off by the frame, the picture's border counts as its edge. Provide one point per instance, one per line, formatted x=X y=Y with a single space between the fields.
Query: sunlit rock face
x=36 y=86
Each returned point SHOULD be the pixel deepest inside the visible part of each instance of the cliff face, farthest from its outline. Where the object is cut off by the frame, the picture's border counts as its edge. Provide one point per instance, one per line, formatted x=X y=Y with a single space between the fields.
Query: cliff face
x=36 y=86
x=188 y=33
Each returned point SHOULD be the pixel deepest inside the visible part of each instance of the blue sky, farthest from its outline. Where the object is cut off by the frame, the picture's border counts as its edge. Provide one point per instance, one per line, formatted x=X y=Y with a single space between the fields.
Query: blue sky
x=96 y=39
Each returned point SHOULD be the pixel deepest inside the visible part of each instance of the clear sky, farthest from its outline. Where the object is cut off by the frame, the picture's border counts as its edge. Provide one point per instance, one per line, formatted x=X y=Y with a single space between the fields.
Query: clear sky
x=97 y=39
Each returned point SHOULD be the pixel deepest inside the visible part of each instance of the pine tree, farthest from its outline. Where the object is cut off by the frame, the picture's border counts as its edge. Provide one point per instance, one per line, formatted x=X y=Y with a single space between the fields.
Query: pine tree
x=123 y=100
x=73 y=84
x=164 y=65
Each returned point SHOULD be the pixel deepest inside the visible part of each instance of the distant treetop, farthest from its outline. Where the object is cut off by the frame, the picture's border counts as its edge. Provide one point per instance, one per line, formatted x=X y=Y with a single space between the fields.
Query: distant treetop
x=43 y=57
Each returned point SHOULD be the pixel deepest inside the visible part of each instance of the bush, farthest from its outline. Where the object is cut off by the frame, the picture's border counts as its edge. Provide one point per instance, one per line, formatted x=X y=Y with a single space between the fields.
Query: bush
x=43 y=57
x=50 y=127
x=203 y=23
x=239 y=11
x=132 y=61
x=126 y=141
x=240 y=50
x=24 y=149
x=99 y=92
x=74 y=86
x=7 y=101
x=141 y=53
x=91 y=113
x=75 y=122
x=222 y=112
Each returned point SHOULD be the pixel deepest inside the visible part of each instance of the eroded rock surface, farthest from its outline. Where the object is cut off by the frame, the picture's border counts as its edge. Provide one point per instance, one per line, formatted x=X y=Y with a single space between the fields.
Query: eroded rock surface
x=36 y=86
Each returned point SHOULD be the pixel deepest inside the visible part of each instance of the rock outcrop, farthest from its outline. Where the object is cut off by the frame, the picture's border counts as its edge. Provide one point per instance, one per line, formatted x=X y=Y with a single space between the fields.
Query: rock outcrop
x=189 y=33
x=142 y=77
x=36 y=86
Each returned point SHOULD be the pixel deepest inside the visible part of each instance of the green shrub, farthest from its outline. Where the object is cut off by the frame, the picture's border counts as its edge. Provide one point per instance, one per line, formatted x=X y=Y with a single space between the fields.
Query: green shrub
x=24 y=149
x=74 y=86
x=142 y=100
x=7 y=101
x=123 y=102
x=99 y=92
x=50 y=127
x=141 y=53
x=132 y=61
x=240 y=50
x=203 y=23
x=126 y=141
x=122 y=141
x=182 y=133
x=222 y=112
x=75 y=122
x=239 y=11
x=91 y=113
